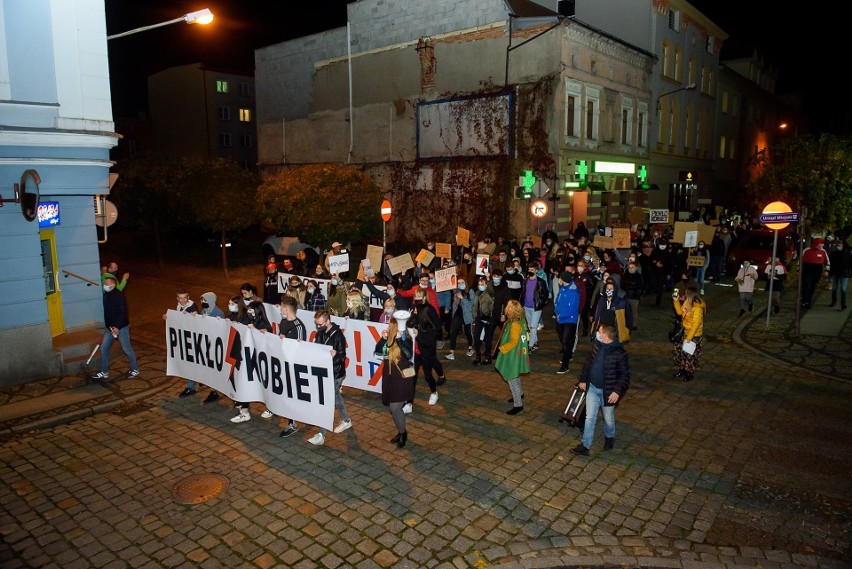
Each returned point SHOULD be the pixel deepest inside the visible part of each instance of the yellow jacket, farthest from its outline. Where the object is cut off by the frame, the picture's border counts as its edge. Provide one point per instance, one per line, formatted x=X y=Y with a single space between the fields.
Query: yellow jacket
x=693 y=319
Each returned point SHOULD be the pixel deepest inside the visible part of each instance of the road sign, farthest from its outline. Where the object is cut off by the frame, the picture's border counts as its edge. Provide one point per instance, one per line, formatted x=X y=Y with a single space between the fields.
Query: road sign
x=386 y=211
x=538 y=208
x=789 y=217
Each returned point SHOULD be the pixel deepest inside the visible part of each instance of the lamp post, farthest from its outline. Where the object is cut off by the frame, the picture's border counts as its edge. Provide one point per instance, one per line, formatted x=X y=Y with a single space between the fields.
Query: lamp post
x=688 y=87
x=202 y=17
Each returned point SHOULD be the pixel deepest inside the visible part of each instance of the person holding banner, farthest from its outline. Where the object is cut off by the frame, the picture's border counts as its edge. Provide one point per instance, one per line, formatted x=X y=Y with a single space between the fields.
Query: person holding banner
x=255 y=315
x=293 y=328
x=397 y=351
x=330 y=334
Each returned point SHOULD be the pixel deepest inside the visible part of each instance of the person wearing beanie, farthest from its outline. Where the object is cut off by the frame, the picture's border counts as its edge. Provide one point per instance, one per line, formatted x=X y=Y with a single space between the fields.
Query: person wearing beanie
x=570 y=297
x=814 y=264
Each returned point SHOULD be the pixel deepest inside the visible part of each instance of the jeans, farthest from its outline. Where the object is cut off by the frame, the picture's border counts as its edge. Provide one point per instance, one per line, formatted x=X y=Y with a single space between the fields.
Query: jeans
x=595 y=401
x=699 y=277
x=124 y=340
x=338 y=400
x=838 y=282
x=533 y=318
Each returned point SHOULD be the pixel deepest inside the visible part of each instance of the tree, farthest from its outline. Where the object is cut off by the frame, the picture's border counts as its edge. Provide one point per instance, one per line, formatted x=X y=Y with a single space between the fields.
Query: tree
x=149 y=188
x=322 y=203
x=221 y=195
x=812 y=173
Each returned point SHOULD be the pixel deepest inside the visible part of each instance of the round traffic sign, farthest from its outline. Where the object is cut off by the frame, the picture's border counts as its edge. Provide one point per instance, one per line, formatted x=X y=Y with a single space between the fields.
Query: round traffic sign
x=777 y=207
x=386 y=211
x=538 y=208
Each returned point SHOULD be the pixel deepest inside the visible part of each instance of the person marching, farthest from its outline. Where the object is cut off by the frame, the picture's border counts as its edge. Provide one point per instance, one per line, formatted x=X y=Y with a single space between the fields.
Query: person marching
x=396 y=348
x=692 y=310
x=513 y=355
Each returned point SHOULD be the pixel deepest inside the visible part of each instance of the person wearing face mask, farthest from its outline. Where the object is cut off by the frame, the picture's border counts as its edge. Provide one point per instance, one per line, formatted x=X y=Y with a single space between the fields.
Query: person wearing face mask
x=839 y=271
x=605 y=379
x=187 y=306
x=701 y=271
x=612 y=308
x=569 y=301
x=588 y=282
x=357 y=305
x=314 y=298
x=514 y=278
x=291 y=327
x=660 y=276
x=502 y=296
x=535 y=297
x=388 y=308
x=424 y=319
x=424 y=282
x=692 y=310
x=116 y=327
x=337 y=290
x=255 y=317
x=248 y=293
x=632 y=284
x=483 y=306
x=330 y=334
x=746 y=277
x=461 y=316
x=296 y=290
x=270 y=281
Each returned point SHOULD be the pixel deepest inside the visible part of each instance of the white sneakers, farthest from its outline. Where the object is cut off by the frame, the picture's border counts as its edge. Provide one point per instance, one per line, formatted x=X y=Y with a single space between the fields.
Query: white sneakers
x=266 y=414
x=342 y=426
x=451 y=356
x=317 y=440
x=470 y=352
x=407 y=408
x=241 y=418
x=433 y=398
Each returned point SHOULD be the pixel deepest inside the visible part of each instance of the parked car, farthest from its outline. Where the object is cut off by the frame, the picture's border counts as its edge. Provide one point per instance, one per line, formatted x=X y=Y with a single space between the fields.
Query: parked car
x=285 y=246
x=756 y=246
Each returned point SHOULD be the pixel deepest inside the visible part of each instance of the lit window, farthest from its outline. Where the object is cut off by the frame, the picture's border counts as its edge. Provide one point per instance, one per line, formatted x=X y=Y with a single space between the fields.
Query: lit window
x=724 y=102
x=221 y=86
x=224 y=140
x=245 y=115
x=722 y=141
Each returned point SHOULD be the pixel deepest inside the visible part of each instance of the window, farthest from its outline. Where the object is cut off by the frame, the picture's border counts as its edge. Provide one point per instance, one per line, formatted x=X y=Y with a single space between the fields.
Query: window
x=245 y=115
x=709 y=45
x=224 y=113
x=690 y=74
x=246 y=141
x=731 y=149
x=224 y=140
x=666 y=59
x=678 y=73
x=674 y=20
x=710 y=81
x=687 y=140
x=735 y=106
x=627 y=121
x=244 y=89
x=722 y=141
x=592 y=113
x=724 y=102
x=642 y=125
x=572 y=109
x=221 y=86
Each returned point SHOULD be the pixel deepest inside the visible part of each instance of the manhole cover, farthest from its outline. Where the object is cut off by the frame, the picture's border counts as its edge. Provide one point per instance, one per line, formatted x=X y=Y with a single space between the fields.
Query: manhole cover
x=199 y=488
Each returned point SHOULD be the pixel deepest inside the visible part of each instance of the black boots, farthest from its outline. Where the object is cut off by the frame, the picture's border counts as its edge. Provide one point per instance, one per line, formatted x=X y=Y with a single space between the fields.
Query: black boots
x=403 y=438
x=680 y=373
x=486 y=361
x=742 y=311
x=477 y=360
x=608 y=443
x=515 y=410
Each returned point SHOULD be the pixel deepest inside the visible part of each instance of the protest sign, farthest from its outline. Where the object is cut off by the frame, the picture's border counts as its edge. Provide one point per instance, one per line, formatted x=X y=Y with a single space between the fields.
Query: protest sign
x=338 y=263
x=445 y=279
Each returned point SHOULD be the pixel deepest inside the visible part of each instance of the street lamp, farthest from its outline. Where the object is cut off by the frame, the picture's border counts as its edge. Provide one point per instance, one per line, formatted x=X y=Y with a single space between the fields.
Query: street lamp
x=684 y=88
x=202 y=17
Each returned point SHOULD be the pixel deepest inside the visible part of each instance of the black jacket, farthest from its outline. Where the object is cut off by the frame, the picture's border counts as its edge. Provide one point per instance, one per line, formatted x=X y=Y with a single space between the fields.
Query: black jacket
x=334 y=337
x=502 y=296
x=616 y=368
x=115 y=309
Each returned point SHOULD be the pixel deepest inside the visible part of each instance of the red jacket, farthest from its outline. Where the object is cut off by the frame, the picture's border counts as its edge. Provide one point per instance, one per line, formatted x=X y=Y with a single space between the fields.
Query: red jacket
x=433 y=296
x=815 y=256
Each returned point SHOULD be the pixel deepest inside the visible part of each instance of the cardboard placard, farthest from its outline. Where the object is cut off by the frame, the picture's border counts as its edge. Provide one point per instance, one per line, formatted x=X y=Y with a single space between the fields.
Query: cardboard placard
x=680 y=229
x=621 y=238
x=375 y=254
x=705 y=233
x=462 y=237
x=658 y=216
x=400 y=264
x=636 y=215
x=338 y=263
x=536 y=241
x=444 y=250
x=445 y=279
x=695 y=261
x=483 y=266
x=603 y=242
x=424 y=257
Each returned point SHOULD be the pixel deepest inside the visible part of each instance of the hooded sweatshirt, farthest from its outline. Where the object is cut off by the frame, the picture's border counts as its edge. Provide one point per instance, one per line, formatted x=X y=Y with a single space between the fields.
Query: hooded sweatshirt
x=212 y=309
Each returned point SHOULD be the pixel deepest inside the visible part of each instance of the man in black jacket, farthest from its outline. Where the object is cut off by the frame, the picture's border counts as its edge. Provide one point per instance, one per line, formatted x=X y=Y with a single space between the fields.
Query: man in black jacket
x=605 y=379
x=502 y=296
x=117 y=327
x=330 y=334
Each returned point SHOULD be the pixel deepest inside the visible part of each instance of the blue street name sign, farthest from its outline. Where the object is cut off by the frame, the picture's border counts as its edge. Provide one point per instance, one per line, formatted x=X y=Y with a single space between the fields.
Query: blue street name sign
x=789 y=217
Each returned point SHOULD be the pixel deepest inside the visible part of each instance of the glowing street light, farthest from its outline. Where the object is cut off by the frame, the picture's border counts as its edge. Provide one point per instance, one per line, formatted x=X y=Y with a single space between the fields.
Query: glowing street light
x=202 y=17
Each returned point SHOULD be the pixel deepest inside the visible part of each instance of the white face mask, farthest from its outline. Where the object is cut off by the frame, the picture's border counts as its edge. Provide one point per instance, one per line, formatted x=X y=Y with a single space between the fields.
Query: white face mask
x=107 y=288
x=388 y=310
x=391 y=292
x=232 y=307
x=311 y=290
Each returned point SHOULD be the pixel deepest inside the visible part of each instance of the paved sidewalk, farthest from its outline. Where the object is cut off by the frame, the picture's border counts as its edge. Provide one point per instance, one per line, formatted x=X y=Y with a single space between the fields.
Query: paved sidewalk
x=747 y=466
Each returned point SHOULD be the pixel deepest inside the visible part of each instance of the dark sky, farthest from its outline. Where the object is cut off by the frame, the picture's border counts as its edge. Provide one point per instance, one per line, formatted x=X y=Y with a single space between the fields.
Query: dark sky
x=801 y=40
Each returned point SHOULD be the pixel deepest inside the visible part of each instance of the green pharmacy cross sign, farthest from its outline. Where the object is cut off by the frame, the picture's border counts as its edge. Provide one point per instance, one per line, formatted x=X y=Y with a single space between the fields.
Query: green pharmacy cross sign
x=527 y=182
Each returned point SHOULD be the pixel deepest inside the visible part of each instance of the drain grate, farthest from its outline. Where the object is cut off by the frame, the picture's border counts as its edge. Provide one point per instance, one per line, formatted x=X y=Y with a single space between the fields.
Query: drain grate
x=199 y=488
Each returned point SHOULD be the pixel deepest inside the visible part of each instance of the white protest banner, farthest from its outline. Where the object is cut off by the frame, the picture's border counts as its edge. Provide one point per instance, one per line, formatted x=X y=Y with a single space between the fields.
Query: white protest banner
x=293 y=379
x=445 y=279
x=284 y=284
x=366 y=268
x=375 y=301
x=690 y=239
x=338 y=263
x=482 y=264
